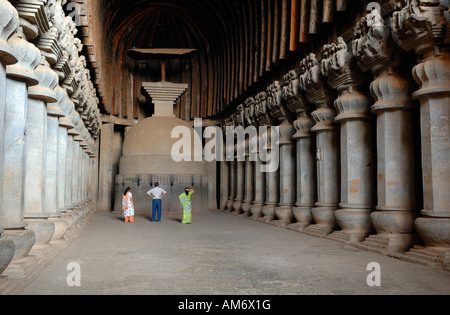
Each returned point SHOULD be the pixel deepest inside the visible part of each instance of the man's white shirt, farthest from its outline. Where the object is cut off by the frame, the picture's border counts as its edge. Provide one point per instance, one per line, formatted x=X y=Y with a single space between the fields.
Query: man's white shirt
x=157 y=192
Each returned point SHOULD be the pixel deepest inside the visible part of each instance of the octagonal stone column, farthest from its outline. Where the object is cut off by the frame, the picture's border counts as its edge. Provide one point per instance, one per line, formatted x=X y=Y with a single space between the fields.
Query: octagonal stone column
x=240 y=163
x=357 y=161
x=232 y=185
x=287 y=167
x=306 y=172
x=9 y=22
x=393 y=218
x=249 y=182
x=259 y=181
x=240 y=185
x=423 y=27
x=327 y=142
x=35 y=210
x=52 y=166
x=272 y=182
x=20 y=76
x=63 y=156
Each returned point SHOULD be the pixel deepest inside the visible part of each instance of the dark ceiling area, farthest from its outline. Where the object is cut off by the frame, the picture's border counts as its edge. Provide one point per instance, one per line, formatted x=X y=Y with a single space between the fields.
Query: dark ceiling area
x=241 y=45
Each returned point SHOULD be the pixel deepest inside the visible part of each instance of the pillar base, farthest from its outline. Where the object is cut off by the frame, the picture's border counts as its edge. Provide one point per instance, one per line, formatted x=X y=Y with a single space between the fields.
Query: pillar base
x=355 y=225
x=303 y=217
x=268 y=212
x=434 y=231
x=7 y=249
x=61 y=227
x=284 y=216
x=22 y=268
x=437 y=257
x=42 y=228
x=256 y=210
x=68 y=217
x=23 y=241
x=246 y=207
x=237 y=207
x=389 y=244
x=229 y=205
x=325 y=221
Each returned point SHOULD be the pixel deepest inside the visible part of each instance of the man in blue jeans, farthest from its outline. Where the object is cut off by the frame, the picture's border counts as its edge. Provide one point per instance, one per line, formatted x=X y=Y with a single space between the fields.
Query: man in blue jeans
x=156 y=193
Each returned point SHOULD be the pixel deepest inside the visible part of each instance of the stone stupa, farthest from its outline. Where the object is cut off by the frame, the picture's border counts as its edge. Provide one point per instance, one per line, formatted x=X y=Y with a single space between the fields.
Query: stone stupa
x=147 y=156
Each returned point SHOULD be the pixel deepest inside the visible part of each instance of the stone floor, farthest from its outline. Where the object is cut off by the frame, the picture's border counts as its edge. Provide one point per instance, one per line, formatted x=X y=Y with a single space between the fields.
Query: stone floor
x=222 y=254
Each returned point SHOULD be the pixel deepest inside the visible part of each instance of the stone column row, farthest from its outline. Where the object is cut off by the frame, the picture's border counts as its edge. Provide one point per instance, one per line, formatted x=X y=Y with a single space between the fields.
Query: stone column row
x=38 y=122
x=354 y=161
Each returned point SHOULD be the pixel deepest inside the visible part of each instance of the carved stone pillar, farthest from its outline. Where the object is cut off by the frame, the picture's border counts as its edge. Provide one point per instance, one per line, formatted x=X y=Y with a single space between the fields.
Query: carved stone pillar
x=106 y=149
x=304 y=161
x=9 y=21
x=240 y=186
x=63 y=156
x=35 y=211
x=232 y=186
x=225 y=185
x=259 y=182
x=424 y=28
x=306 y=172
x=272 y=184
x=249 y=156
x=287 y=167
x=327 y=153
x=394 y=217
x=357 y=163
x=52 y=166
x=240 y=166
x=20 y=76
x=278 y=98
x=69 y=171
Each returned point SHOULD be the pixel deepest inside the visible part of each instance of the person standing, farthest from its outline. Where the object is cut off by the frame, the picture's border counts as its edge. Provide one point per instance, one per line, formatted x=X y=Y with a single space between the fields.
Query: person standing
x=128 y=206
x=185 y=199
x=157 y=193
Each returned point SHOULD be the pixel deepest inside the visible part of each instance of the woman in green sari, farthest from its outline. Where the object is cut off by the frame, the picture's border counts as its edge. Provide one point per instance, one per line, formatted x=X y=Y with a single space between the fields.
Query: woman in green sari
x=185 y=199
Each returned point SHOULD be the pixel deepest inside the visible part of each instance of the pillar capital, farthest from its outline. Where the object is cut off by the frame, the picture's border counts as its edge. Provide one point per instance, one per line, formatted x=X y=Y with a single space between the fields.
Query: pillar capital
x=274 y=99
x=391 y=91
x=48 y=80
x=339 y=65
x=33 y=15
x=303 y=126
x=372 y=45
x=28 y=58
x=421 y=26
x=262 y=113
x=249 y=112
x=312 y=82
x=294 y=99
x=9 y=22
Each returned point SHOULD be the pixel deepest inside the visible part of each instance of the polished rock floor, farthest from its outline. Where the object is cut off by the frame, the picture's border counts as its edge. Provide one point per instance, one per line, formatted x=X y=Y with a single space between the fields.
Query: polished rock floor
x=221 y=254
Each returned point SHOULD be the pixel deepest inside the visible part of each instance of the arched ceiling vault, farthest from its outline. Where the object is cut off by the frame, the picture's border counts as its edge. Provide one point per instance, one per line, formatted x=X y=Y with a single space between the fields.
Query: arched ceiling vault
x=240 y=44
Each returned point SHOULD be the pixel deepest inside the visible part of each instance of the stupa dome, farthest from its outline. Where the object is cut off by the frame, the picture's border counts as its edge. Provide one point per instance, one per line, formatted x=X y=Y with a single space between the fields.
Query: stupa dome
x=148 y=146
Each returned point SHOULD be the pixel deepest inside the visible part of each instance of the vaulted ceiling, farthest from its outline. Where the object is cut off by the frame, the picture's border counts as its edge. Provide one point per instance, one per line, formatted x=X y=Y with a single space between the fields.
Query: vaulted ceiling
x=240 y=44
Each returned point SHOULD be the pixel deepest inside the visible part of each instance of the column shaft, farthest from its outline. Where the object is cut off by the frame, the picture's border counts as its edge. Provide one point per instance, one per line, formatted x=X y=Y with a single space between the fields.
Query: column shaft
x=240 y=186
x=287 y=174
x=260 y=187
x=105 y=168
x=249 y=185
x=62 y=164
x=11 y=209
x=232 y=185
x=306 y=172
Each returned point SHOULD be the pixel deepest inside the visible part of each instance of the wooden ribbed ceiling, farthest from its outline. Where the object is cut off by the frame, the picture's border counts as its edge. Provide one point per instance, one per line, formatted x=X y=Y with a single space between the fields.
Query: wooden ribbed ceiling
x=238 y=43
